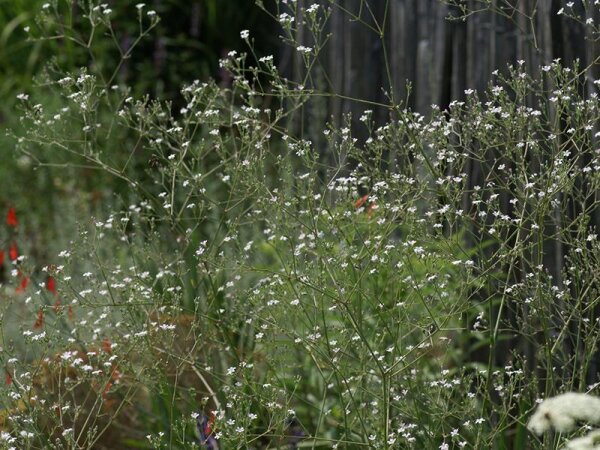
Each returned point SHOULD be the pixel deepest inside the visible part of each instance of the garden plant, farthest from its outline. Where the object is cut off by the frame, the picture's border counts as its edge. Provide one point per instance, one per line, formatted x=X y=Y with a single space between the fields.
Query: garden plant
x=231 y=279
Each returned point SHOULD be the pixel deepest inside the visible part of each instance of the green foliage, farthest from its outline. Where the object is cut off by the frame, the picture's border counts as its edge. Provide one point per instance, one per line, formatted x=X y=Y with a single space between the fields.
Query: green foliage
x=376 y=294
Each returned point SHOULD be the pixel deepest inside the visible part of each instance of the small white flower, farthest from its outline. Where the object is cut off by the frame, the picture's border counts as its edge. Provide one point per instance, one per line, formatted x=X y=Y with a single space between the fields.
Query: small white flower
x=303 y=49
x=285 y=18
x=244 y=34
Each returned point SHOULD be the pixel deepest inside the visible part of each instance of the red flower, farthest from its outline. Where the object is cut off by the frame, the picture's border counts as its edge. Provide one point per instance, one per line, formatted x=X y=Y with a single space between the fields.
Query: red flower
x=11 y=218
x=13 y=252
x=361 y=201
x=8 y=379
x=39 y=322
x=51 y=285
x=23 y=284
x=210 y=423
x=206 y=427
x=1 y=257
x=370 y=207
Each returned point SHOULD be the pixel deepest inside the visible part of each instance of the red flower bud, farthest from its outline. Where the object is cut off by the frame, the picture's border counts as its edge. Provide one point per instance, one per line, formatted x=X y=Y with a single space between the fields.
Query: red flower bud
x=51 y=285
x=13 y=252
x=361 y=201
x=39 y=322
x=23 y=284
x=11 y=218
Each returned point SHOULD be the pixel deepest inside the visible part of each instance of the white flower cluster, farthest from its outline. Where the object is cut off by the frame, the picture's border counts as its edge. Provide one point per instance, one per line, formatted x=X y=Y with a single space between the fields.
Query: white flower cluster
x=589 y=442
x=562 y=414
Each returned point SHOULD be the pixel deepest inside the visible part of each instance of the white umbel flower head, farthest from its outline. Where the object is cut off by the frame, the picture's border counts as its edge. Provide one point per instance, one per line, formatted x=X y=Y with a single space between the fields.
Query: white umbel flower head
x=589 y=442
x=562 y=412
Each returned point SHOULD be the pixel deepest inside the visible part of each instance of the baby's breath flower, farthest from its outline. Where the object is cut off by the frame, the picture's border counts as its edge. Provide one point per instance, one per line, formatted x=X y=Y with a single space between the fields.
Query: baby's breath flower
x=563 y=412
x=303 y=49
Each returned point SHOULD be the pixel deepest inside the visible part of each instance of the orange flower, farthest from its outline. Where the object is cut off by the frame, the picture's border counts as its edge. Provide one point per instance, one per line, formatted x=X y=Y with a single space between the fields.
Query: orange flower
x=361 y=201
x=370 y=207
x=106 y=345
x=106 y=389
x=115 y=375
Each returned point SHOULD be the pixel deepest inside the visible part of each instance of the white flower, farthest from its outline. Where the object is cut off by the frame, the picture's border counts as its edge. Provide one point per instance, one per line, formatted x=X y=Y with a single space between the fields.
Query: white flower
x=589 y=442
x=562 y=412
x=4 y=436
x=244 y=34
x=285 y=18
x=304 y=49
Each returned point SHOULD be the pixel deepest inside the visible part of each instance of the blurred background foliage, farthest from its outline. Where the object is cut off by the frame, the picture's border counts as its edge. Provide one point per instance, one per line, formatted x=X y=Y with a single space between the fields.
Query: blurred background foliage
x=186 y=45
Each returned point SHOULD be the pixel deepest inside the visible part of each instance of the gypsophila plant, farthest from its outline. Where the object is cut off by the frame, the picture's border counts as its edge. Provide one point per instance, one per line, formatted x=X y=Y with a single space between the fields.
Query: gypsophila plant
x=251 y=289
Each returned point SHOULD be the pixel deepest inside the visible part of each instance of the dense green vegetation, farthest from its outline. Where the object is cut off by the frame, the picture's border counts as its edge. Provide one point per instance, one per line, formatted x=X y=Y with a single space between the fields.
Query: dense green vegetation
x=182 y=267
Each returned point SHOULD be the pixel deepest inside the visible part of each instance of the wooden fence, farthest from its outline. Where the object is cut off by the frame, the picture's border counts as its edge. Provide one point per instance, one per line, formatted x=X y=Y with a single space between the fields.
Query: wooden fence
x=418 y=44
x=378 y=47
